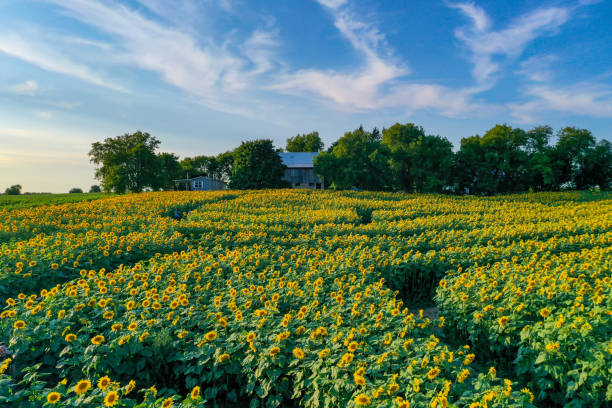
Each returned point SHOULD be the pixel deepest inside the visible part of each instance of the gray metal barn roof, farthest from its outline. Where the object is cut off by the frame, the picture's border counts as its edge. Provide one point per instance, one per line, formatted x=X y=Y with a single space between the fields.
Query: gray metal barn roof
x=298 y=159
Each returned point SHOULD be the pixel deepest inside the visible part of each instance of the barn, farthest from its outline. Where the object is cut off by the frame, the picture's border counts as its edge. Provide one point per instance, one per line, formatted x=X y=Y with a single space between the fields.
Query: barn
x=200 y=183
x=300 y=170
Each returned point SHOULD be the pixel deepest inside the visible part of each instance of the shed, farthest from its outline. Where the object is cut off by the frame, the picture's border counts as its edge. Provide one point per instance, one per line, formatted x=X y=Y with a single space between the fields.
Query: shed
x=201 y=183
x=300 y=170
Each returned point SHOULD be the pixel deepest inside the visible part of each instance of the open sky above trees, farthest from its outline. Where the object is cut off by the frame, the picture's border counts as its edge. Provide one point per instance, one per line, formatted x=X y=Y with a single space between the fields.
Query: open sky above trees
x=203 y=75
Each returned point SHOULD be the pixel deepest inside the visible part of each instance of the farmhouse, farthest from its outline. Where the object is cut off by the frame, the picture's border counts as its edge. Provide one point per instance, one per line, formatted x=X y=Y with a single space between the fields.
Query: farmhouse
x=199 y=184
x=300 y=170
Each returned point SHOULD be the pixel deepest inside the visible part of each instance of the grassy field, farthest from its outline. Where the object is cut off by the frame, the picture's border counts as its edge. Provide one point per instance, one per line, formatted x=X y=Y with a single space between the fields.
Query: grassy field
x=10 y=202
x=308 y=299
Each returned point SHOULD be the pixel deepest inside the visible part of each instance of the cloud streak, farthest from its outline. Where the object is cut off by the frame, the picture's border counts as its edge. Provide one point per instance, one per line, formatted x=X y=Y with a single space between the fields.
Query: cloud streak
x=489 y=48
x=242 y=72
x=36 y=53
x=589 y=99
x=379 y=83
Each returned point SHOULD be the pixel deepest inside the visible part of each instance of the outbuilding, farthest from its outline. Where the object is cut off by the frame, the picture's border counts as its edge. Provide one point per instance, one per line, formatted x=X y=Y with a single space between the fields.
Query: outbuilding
x=300 y=170
x=201 y=183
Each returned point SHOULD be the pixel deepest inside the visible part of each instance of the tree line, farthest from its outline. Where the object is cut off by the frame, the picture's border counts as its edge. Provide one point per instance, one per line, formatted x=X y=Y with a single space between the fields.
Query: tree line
x=503 y=160
x=399 y=158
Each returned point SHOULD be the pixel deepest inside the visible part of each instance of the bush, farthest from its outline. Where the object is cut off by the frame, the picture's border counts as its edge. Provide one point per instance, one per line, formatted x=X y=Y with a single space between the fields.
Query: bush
x=75 y=190
x=13 y=190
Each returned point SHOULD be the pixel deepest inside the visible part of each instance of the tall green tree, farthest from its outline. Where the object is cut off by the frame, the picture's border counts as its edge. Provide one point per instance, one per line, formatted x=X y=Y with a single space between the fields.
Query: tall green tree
x=217 y=167
x=169 y=169
x=419 y=162
x=540 y=173
x=308 y=142
x=15 y=189
x=127 y=162
x=597 y=170
x=257 y=165
x=357 y=159
x=572 y=152
x=494 y=163
x=224 y=163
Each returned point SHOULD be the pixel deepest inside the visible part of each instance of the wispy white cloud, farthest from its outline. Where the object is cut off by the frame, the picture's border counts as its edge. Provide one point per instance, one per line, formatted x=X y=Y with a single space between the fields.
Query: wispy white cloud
x=479 y=17
x=244 y=73
x=40 y=54
x=380 y=82
x=589 y=99
x=332 y=4
x=485 y=44
x=538 y=68
x=44 y=114
x=29 y=87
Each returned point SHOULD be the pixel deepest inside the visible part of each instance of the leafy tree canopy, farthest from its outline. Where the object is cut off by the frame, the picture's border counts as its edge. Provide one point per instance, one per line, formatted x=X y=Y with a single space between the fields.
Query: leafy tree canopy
x=357 y=159
x=15 y=189
x=127 y=162
x=308 y=142
x=419 y=162
x=256 y=165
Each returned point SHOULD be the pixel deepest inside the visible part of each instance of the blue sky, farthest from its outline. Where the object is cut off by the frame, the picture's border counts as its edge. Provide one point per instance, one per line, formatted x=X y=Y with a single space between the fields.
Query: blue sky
x=204 y=75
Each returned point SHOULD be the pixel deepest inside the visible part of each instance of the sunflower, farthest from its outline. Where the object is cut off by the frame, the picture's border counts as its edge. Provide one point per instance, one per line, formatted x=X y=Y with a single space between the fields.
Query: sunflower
x=168 y=402
x=81 y=387
x=195 y=393
x=130 y=387
x=299 y=353
x=274 y=351
x=97 y=340
x=433 y=373
x=111 y=399
x=104 y=382
x=362 y=399
x=353 y=346
x=19 y=324
x=251 y=336
x=211 y=335
x=53 y=397
x=224 y=357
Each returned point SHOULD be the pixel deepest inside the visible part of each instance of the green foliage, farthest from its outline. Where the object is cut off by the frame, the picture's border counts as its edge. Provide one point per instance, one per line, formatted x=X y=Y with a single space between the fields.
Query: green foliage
x=75 y=190
x=357 y=159
x=419 y=162
x=493 y=163
x=306 y=272
x=13 y=190
x=95 y=189
x=308 y=142
x=216 y=167
x=256 y=165
x=127 y=163
x=8 y=202
x=169 y=170
x=582 y=162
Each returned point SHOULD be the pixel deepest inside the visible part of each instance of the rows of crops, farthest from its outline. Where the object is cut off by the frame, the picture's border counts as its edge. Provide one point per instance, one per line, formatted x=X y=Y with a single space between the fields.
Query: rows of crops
x=10 y=202
x=308 y=299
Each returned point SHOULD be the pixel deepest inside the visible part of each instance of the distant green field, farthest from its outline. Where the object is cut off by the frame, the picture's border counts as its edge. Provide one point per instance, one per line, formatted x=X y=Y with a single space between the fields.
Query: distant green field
x=11 y=202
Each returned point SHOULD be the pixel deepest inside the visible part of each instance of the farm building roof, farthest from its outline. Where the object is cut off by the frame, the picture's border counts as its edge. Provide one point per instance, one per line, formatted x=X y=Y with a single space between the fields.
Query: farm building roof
x=298 y=159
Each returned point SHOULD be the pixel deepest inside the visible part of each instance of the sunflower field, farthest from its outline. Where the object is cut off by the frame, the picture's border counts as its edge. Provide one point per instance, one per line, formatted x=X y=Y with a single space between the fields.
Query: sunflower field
x=293 y=298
